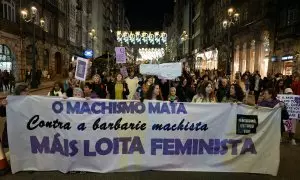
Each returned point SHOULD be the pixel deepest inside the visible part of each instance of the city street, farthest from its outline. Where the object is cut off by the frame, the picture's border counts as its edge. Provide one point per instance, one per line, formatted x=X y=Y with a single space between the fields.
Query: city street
x=289 y=169
x=125 y=86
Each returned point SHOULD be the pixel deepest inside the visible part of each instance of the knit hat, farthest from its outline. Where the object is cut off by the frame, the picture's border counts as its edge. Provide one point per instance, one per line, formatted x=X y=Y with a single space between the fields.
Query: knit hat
x=288 y=91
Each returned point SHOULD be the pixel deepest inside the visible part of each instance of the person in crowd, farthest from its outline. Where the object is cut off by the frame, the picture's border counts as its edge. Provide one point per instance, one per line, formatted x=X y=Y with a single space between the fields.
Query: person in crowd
x=69 y=82
x=165 y=88
x=296 y=85
x=88 y=91
x=247 y=85
x=98 y=87
x=139 y=95
x=279 y=89
x=205 y=93
x=154 y=93
x=293 y=121
x=28 y=76
x=270 y=100
x=182 y=90
x=109 y=83
x=57 y=90
x=147 y=84
x=77 y=92
x=235 y=94
x=120 y=89
x=172 y=96
x=256 y=86
x=20 y=90
x=288 y=80
x=223 y=89
x=39 y=74
x=6 y=80
x=132 y=82
x=12 y=82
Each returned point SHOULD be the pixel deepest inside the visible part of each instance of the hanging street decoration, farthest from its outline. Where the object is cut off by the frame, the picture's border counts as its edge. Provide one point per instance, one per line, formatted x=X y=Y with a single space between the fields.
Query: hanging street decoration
x=154 y=38
x=151 y=53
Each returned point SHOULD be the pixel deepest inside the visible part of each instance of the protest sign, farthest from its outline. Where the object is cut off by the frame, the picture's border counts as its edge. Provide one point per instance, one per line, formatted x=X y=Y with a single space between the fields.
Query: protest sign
x=167 y=71
x=120 y=55
x=292 y=103
x=149 y=69
x=107 y=136
x=170 y=70
x=81 y=68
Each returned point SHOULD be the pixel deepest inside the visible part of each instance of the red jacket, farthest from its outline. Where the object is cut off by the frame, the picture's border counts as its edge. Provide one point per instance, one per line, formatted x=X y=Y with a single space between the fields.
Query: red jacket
x=296 y=87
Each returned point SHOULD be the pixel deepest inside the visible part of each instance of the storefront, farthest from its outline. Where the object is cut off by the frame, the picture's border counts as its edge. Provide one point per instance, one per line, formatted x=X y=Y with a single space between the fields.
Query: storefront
x=287 y=64
x=207 y=60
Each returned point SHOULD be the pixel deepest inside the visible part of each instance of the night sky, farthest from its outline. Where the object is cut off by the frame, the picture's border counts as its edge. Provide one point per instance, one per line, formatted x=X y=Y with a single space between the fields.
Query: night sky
x=147 y=15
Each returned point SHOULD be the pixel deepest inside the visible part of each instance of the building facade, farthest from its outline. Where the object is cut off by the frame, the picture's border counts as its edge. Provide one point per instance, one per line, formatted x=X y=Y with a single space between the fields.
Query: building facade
x=63 y=34
x=286 y=56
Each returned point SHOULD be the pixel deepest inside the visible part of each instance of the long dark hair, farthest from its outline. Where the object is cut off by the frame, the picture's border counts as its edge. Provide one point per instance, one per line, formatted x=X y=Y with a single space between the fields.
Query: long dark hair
x=277 y=88
x=239 y=93
x=202 y=89
x=272 y=92
x=149 y=93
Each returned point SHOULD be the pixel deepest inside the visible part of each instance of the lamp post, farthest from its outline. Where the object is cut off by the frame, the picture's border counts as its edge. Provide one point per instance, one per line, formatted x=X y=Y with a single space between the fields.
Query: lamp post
x=233 y=18
x=93 y=36
x=31 y=19
x=184 y=36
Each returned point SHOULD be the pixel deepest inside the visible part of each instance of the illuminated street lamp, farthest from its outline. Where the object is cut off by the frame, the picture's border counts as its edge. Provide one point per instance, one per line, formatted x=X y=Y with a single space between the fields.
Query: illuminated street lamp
x=184 y=36
x=93 y=37
x=31 y=19
x=232 y=19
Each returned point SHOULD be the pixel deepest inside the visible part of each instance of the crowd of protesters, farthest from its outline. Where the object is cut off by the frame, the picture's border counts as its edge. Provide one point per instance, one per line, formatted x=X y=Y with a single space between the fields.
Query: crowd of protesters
x=210 y=86
x=7 y=81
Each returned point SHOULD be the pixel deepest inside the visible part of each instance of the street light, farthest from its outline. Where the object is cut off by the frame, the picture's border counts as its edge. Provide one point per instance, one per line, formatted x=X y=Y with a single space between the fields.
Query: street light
x=232 y=19
x=93 y=36
x=184 y=36
x=31 y=19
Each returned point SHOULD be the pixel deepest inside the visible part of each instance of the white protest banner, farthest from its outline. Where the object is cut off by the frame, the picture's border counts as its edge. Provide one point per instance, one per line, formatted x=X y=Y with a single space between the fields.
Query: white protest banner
x=120 y=55
x=170 y=70
x=167 y=71
x=292 y=103
x=149 y=69
x=81 y=68
x=108 y=136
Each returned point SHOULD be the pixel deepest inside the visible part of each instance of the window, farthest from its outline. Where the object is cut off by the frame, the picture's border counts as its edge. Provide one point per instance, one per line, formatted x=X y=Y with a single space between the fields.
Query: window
x=9 y=10
x=61 y=5
x=72 y=33
x=46 y=25
x=72 y=11
x=60 y=30
x=292 y=16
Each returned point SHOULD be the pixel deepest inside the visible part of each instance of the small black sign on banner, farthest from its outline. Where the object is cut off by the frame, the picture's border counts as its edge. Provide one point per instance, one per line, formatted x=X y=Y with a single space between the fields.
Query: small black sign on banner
x=246 y=124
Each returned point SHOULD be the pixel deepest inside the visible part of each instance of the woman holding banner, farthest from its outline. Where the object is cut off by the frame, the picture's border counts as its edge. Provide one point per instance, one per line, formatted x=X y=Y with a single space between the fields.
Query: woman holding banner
x=21 y=90
x=270 y=100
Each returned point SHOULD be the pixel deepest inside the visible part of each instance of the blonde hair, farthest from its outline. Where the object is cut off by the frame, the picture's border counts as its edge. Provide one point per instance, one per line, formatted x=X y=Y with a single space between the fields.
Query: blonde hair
x=173 y=88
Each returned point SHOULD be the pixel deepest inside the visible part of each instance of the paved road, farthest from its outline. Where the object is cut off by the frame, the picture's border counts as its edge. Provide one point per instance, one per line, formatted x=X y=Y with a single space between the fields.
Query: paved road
x=288 y=170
